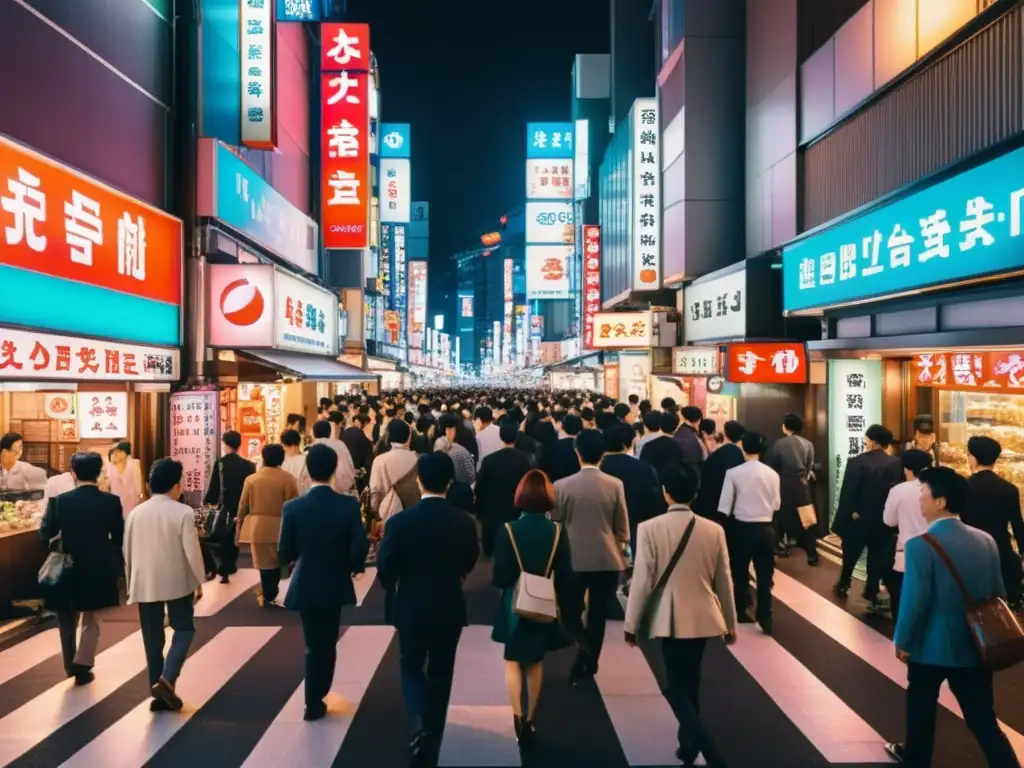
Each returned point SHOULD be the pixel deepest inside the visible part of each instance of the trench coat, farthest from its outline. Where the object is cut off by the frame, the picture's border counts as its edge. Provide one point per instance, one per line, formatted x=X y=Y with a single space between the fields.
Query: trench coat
x=259 y=513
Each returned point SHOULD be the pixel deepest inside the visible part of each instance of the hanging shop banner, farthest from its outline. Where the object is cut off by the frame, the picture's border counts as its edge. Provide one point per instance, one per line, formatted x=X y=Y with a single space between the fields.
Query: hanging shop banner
x=591 y=281
x=696 y=361
x=301 y=10
x=384 y=268
x=549 y=179
x=401 y=284
x=550 y=223
x=396 y=190
x=102 y=415
x=344 y=47
x=623 y=329
x=715 y=308
x=44 y=356
x=258 y=41
x=395 y=140
x=81 y=257
x=547 y=271
x=981 y=371
x=646 y=219
x=233 y=193
x=634 y=375
x=581 y=160
x=345 y=133
x=194 y=433
x=963 y=228
x=549 y=140
x=855 y=403
x=767 y=363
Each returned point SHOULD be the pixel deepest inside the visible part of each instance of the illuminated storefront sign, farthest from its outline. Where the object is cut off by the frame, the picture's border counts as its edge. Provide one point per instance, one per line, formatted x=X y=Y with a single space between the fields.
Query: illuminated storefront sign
x=395 y=140
x=550 y=223
x=646 y=203
x=396 y=190
x=767 y=363
x=80 y=257
x=467 y=306
x=981 y=371
x=855 y=403
x=401 y=284
x=695 y=361
x=581 y=160
x=623 y=329
x=259 y=79
x=384 y=268
x=345 y=47
x=549 y=179
x=551 y=140
x=966 y=227
x=591 y=281
x=715 y=308
x=300 y=10
x=547 y=271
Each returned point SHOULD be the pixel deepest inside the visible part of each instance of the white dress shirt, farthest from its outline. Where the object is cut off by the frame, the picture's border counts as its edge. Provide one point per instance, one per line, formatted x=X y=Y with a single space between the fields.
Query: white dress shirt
x=903 y=510
x=751 y=493
x=162 y=557
x=488 y=440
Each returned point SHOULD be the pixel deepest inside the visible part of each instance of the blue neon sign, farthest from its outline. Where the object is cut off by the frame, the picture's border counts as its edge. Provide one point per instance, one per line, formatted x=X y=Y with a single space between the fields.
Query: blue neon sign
x=549 y=140
x=301 y=10
x=395 y=140
x=964 y=227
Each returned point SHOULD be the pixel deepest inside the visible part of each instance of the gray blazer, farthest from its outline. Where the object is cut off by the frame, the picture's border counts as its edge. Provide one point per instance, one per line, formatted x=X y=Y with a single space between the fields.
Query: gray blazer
x=592 y=507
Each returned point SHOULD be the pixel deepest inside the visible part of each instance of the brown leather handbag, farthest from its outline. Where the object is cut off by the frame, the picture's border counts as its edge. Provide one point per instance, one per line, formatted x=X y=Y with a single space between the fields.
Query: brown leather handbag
x=994 y=629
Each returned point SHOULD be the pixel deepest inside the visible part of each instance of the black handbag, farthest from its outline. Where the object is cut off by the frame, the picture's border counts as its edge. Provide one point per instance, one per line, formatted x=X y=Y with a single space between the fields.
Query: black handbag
x=57 y=569
x=644 y=624
x=220 y=526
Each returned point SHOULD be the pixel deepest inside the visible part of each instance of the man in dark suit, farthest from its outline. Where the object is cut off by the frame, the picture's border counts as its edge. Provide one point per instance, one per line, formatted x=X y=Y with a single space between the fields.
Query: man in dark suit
x=643 y=491
x=859 y=516
x=91 y=530
x=720 y=461
x=688 y=437
x=322 y=533
x=563 y=461
x=524 y=442
x=496 y=483
x=993 y=506
x=661 y=450
x=426 y=553
x=229 y=473
x=361 y=448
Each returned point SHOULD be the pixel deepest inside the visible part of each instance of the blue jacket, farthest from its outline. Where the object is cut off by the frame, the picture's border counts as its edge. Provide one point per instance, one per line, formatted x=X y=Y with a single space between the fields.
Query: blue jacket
x=932 y=627
x=322 y=533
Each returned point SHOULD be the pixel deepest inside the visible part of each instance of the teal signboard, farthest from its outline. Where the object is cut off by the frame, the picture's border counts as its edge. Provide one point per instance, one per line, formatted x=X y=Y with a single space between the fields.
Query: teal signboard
x=964 y=227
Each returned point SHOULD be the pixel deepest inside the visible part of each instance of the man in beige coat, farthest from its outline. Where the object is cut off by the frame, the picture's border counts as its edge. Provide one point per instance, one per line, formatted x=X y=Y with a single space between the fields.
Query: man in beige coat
x=684 y=606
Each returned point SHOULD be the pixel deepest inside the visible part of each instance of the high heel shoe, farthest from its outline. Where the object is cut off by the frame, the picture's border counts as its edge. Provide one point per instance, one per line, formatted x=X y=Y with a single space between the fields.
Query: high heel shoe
x=526 y=733
x=517 y=723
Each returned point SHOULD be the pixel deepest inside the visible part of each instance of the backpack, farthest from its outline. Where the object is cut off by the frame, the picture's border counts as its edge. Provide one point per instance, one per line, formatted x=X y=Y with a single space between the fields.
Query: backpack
x=404 y=493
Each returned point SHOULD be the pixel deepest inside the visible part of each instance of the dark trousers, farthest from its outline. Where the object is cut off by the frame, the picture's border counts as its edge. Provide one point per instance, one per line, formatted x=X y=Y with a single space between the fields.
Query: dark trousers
x=180 y=614
x=427 y=664
x=972 y=687
x=270 y=581
x=589 y=632
x=320 y=629
x=787 y=523
x=1011 y=567
x=880 y=545
x=752 y=543
x=894 y=583
x=227 y=557
x=683 y=659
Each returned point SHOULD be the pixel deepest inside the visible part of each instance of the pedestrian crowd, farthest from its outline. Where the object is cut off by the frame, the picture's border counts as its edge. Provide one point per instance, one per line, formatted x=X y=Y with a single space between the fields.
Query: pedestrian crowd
x=575 y=500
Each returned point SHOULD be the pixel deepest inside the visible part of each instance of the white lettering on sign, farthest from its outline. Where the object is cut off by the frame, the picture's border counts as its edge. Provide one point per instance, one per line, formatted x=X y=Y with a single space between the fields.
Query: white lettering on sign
x=345 y=49
x=27 y=204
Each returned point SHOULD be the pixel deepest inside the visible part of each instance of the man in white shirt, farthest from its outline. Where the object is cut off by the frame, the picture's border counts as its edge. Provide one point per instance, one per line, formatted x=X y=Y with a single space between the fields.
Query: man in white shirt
x=750 y=497
x=164 y=568
x=345 y=474
x=903 y=511
x=488 y=436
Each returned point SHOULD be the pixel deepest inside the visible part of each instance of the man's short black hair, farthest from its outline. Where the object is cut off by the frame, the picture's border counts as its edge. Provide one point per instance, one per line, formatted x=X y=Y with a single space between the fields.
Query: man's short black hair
x=484 y=413
x=916 y=461
x=587 y=414
x=668 y=404
x=273 y=455
x=924 y=424
x=291 y=437
x=296 y=418
x=945 y=483
x=508 y=431
x=336 y=417
x=87 y=466
x=165 y=474
x=398 y=432
x=231 y=439
x=322 y=429
x=754 y=443
x=985 y=450
x=618 y=437
x=621 y=411
x=793 y=422
x=448 y=421
x=633 y=399
x=652 y=420
x=669 y=422
x=681 y=482
x=572 y=424
x=590 y=446
x=692 y=413
x=733 y=431
x=8 y=440
x=321 y=462
x=435 y=471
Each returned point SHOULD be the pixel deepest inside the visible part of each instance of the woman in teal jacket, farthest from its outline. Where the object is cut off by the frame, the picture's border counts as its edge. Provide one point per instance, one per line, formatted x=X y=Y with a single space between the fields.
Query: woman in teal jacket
x=531 y=541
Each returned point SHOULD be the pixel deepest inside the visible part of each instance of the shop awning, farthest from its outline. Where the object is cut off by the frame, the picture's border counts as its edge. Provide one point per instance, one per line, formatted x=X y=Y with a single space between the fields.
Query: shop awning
x=591 y=361
x=311 y=367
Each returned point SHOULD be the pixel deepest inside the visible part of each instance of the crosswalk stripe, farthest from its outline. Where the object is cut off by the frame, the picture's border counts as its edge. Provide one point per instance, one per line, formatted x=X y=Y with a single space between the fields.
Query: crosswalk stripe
x=216 y=596
x=863 y=641
x=140 y=734
x=22 y=656
x=291 y=740
x=834 y=729
x=478 y=729
x=643 y=719
x=30 y=724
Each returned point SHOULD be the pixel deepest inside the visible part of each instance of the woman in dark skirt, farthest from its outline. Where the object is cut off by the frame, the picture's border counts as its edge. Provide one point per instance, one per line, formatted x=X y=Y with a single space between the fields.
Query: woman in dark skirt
x=526 y=642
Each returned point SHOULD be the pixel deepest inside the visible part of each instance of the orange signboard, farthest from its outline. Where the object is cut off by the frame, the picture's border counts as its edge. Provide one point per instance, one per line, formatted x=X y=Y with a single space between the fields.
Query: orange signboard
x=988 y=371
x=782 y=362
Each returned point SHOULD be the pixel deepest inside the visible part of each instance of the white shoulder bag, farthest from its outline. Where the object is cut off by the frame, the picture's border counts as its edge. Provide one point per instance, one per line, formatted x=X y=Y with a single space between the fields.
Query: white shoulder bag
x=534 y=596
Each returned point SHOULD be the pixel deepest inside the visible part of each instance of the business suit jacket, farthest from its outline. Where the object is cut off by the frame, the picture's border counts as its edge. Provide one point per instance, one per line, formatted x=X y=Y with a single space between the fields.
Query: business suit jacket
x=426 y=552
x=562 y=461
x=592 y=507
x=931 y=626
x=322 y=533
x=698 y=599
x=644 y=499
x=692 y=448
x=91 y=528
x=236 y=469
x=496 y=483
x=259 y=510
x=866 y=484
x=792 y=457
x=994 y=507
x=359 y=446
x=662 y=452
x=713 y=479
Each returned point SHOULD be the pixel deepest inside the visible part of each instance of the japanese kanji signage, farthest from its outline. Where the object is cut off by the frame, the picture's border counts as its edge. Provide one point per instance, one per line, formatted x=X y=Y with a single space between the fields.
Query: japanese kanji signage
x=716 y=307
x=102 y=415
x=80 y=257
x=44 y=356
x=194 y=431
x=550 y=223
x=855 y=403
x=547 y=271
x=646 y=195
x=553 y=140
x=696 y=361
x=345 y=135
x=968 y=226
x=549 y=179
x=989 y=371
x=401 y=285
x=299 y=10
x=258 y=38
x=623 y=329
x=591 y=281
x=395 y=190
x=307 y=316
x=783 y=362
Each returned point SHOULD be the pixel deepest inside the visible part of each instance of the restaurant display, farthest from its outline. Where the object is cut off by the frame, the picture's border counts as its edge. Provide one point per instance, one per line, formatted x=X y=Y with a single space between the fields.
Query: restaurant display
x=17 y=516
x=964 y=415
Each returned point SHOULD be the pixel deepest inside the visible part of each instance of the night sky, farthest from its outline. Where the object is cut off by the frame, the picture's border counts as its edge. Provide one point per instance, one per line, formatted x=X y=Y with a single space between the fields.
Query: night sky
x=468 y=77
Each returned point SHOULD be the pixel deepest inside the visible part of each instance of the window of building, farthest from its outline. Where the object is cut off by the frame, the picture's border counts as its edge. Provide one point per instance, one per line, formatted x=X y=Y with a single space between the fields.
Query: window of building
x=670 y=27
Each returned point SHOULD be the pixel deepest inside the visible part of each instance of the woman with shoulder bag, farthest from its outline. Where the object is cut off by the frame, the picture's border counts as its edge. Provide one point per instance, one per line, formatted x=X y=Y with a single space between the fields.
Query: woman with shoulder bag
x=533 y=568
